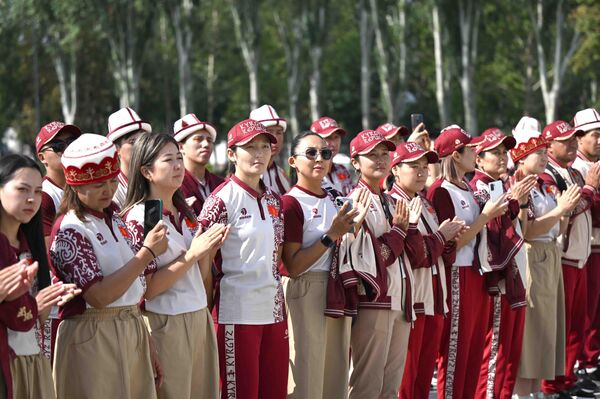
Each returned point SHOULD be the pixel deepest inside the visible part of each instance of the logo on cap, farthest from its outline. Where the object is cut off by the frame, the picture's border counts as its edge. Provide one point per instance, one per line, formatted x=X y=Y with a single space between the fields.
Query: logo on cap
x=387 y=127
x=327 y=122
x=412 y=147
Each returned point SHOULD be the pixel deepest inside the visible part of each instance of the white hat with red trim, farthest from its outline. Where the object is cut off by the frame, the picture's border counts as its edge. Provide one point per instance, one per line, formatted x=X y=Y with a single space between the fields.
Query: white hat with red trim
x=125 y=121
x=90 y=159
x=268 y=117
x=189 y=124
x=586 y=120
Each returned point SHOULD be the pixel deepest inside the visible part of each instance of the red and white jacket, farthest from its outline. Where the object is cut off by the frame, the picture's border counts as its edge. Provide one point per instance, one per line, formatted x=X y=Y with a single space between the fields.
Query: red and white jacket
x=338 y=179
x=583 y=165
x=51 y=197
x=276 y=179
x=196 y=192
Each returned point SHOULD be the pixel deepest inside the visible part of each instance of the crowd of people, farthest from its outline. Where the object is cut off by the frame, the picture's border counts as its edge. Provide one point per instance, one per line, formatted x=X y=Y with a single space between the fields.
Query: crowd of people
x=472 y=259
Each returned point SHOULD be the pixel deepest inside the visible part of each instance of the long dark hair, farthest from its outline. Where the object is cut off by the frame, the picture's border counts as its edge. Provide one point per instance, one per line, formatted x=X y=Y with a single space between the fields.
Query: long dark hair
x=295 y=143
x=33 y=231
x=145 y=151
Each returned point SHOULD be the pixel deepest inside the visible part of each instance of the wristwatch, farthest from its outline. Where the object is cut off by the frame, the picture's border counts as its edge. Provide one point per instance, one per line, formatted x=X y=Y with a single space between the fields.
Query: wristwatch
x=327 y=241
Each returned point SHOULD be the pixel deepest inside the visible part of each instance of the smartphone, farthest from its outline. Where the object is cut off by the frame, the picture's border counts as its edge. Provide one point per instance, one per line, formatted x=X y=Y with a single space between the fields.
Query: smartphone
x=153 y=210
x=496 y=190
x=340 y=201
x=415 y=119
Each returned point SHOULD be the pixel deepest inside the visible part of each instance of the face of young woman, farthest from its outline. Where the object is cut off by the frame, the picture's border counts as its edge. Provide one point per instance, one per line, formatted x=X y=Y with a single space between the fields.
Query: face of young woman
x=589 y=144
x=466 y=160
x=375 y=165
x=167 y=170
x=494 y=162
x=252 y=158
x=412 y=176
x=276 y=131
x=535 y=163
x=198 y=147
x=21 y=197
x=313 y=170
x=97 y=196
x=334 y=142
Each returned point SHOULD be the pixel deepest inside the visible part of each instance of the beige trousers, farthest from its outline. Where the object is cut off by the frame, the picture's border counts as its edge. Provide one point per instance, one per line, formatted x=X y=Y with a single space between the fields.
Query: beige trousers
x=319 y=345
x=104 y=353
x=187 y=350
x=32 y=377
x=379 y=344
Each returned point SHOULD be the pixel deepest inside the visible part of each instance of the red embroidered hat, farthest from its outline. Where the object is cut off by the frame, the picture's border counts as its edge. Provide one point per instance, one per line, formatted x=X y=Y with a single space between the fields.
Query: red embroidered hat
x=451 y=138
x=245 y=131
x=389 y=130
x=560 y=130
x=50 y=130
x=529 y=138
x=268 y=117
x=325 y=127
x=125 y=121
x=190 y=124
x=492 y=138
x=366 y=140
x=90 y=159
x=586 y=120
x=409 y=152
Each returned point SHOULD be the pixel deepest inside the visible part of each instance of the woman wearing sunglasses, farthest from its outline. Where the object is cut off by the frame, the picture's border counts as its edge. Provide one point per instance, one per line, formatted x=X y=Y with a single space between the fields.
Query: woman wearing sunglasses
x=319 y=345
x=252 y=333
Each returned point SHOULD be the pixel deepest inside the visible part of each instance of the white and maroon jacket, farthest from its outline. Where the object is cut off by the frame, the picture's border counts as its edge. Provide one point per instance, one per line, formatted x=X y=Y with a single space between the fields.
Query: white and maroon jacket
x=426 y=260
x=575 y=243
x=51 y=197
x=385 y=278
x=187 y=294
x=121 y=193
x=338 y=179
x=248 y=286
x=583 y=165
x=276 y=179
x=82 y=252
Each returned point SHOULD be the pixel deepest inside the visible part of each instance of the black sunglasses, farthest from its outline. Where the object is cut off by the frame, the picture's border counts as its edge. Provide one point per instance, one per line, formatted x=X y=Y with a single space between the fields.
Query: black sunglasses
x=311 y=153
x=58 y=146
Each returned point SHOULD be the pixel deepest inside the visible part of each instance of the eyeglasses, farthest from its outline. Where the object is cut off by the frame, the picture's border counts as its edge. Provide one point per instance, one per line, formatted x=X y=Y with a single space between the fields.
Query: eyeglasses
x=58 y=146
x=311 y=153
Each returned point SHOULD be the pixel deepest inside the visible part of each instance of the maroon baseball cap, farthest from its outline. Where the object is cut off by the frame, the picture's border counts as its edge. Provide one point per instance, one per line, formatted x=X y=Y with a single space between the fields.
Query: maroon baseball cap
x=366 y=140
x=242 y=132
x=50 y=130
x=451 y=138
x=560 y=130
x=492 y=138
x=389 y=130
x=326 y=126
x=409 y=152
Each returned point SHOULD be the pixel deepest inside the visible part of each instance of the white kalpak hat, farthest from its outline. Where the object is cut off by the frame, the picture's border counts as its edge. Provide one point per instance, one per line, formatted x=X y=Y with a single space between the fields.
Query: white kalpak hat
x=268 y=117
x=125 y=121
x=189 y=124
x=528 y=137
x=586 y=120
x=90 y=159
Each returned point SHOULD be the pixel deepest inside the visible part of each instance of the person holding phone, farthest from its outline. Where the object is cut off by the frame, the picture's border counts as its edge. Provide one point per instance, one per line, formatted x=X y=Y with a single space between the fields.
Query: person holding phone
x=196 y=142
x=543 y=347
x=503 y=241
x=252 y=334
x=176 y=303
x=102 y=346
x=21 y=238
x=379 y=336
x=410 y=168
x=319 y=343
x=463 y=340
x=337 y=178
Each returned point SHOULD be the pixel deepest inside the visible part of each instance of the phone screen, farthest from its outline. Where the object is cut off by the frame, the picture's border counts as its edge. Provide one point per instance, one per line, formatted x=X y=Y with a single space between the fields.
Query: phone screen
x=153 y=210
x=415 y=120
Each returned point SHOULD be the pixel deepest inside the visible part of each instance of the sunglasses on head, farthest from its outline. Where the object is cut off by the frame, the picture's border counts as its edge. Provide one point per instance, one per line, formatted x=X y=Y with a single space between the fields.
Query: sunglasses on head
x=58 y=146
x=311 y=153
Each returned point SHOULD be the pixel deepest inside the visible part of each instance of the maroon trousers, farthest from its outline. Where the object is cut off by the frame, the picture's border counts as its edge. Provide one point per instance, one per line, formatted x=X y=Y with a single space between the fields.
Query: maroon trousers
x=590 y=355
x=464 y=334
x=502 y=353
x=575 y=283
x=253 y=360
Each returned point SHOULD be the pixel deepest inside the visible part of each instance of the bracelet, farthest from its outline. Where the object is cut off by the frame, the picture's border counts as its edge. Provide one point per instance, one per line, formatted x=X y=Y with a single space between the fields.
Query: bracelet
x=524 y=206
x=151 y=251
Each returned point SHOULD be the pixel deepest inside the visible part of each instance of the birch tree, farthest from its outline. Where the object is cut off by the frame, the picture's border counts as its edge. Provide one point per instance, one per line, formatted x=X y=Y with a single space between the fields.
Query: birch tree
x=317 y=18
x=469 y=12
x=390 y=48
x=442 y=76
x=552 y=74
x=247 y=32
x=366 y=45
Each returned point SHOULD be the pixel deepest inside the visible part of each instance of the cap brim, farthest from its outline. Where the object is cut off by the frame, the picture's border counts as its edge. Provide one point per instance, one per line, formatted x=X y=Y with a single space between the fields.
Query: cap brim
x=329 y=131
x=508 y=141
x=569 y=134
x=66 y=128
x=183 y=134
x=432 y=157
x=248 y=139
x=586 y=127
x=388 y=144
x=403 y=130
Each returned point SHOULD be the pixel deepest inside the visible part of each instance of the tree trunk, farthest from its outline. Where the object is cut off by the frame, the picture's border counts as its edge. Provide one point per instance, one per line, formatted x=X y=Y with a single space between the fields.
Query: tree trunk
x=316 y=32
x=469 y=28
x=366 y=42
x=36 y=77
x=210 y=67
x=382 y=64
x=67 y=84
x=180 y=18
x=316 y=53
x=441 y=94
